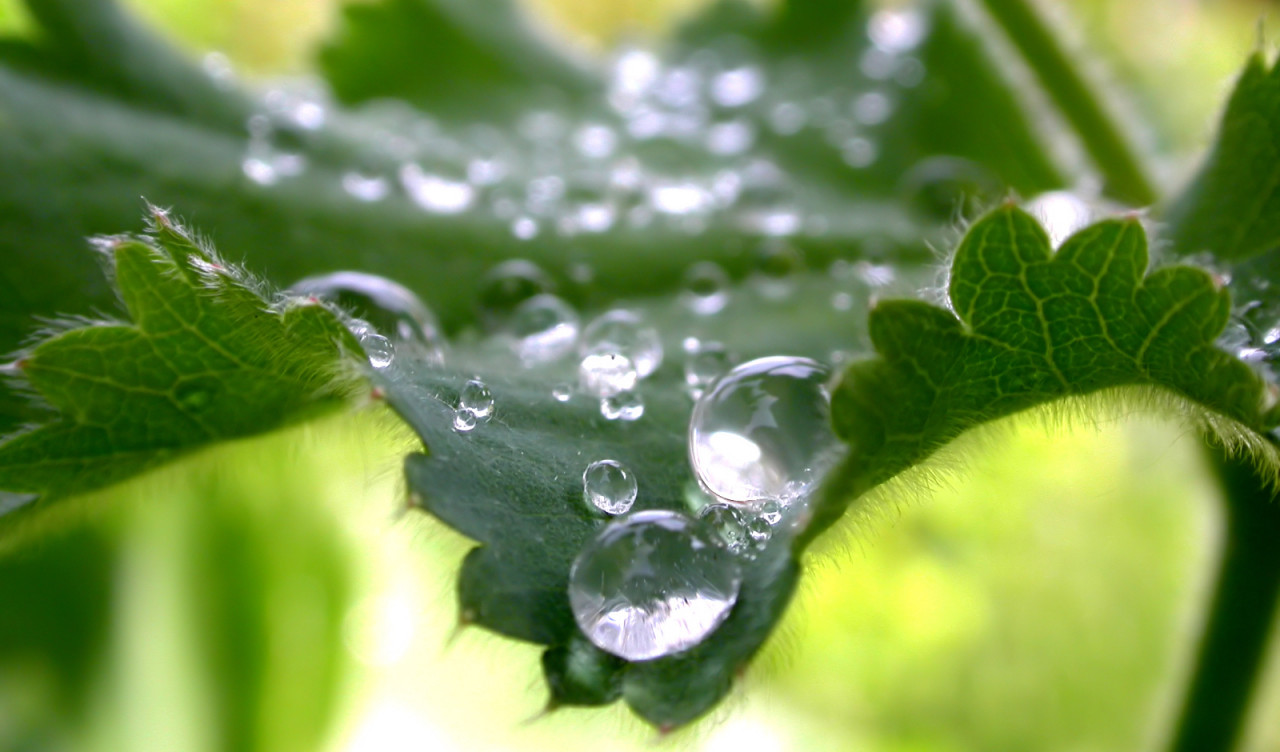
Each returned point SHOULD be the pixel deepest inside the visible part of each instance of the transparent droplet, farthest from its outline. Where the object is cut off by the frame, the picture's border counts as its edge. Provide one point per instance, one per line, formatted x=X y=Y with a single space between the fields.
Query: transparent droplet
x=703 y=364
x=948 y=188
x=385 y=304
x=770 y=512
x=609 y=486
x=367 y=188
x=759 y=530
x=595 y=141
x=776 y=266
x=604 y=374
x=896 y=30
x=730 y=137
x=727 y=525
x=464 y=420
x=737 y=87
x=378 y=348
x=787 y=118
x=435 y=193
x=763 y=432
x=562 y=392
x=625 y=333
x=506 y=286
x=476 y=397
x=544 y=328
x=524 y=228
x=625 y=406
x=1061 y=213
x=706 y=288
x=651 y=584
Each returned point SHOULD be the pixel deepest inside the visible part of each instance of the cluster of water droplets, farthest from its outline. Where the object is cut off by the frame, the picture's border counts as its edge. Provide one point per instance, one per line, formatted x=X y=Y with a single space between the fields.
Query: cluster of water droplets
x=1253 y=332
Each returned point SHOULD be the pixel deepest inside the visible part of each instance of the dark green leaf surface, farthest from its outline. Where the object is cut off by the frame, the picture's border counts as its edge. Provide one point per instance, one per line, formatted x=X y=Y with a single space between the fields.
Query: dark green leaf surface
x=1030 y=326
x=206 y=358
x=1232 y=207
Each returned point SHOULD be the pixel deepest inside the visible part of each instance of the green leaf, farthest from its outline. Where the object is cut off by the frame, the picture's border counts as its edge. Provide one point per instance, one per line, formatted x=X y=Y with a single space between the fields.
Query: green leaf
x=1232 y=207
x=472 y=53
x=206 y=358
x=1030 y=327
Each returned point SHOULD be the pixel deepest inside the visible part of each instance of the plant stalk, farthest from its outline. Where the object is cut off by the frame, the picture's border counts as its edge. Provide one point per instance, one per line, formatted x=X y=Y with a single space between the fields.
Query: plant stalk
x=1110 y=148
x=1233 y=647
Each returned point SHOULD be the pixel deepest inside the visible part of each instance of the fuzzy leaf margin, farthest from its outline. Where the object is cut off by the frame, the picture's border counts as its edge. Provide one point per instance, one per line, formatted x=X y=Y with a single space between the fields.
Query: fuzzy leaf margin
x=208 y=357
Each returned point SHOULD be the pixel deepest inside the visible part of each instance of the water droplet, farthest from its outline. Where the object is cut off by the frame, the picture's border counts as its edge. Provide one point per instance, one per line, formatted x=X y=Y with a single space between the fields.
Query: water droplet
x=730 y=137
x=595 y=141
x=679 y=198
x=896 y=30
x=859 y=152
x=650 y=585
x=776 y=266
x=367 y=188
x=378 y=348
x=625 y=406
x=787 y=118
x=506 y=286
x=728 y=526
x=624 y=332
x=544 y=329
x=464 y=420
x=737 y=87
x=1061 y=213
x=604 y=374
x=705 y=363
x=385 y=304
x=562 y=392
x=524 y=228
x=949 y=188
x=759 y=530
x=770 y=512
x=842 y=301
x=706 y=288
x=872 y=108
x=609 y=486
x=476 y=397
x=434 y=193
x=763 y=432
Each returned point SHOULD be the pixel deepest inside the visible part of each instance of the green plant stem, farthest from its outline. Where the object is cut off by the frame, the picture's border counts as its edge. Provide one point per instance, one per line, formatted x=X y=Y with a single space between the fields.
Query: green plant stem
x=1111 y=150
x=1234 y=644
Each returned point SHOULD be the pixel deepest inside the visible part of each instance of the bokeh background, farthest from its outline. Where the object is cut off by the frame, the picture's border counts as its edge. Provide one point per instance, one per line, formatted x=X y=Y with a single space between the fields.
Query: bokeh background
x=270 y=595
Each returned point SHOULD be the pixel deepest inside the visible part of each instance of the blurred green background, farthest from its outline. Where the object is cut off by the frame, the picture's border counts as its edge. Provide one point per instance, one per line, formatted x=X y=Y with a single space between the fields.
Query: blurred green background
x=269 y=594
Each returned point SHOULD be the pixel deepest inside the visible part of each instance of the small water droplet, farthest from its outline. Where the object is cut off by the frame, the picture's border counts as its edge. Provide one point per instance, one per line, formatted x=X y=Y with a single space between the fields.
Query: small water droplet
x=705 y=363
x=544 y=328
x=651 y=584
x=435 y=193
x=625 y=406
x=476 y=397
x=896 y=30
x=464 y=420
x=604 y=374
x=872 y=108
x=787 y=118
x=730 y=137
x=706 y=288
x=524 y=228
x=378 y=348
x=609 y=486
x=562 y=392
x=776 y=266
x=728 y=526
x=770 y=512
x=763 y=432
x=949 y=188
x=506 y=286
x=595 y=141
x=737 y=87
x=759 y=530
x=367 y=188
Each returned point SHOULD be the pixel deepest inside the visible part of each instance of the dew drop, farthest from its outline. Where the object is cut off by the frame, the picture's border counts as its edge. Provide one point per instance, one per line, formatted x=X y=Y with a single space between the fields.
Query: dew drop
x=434 y=193
x=609 y=486
x=385 y=304
x=562 y=392
x=624 y=406
x=947 y=188
x=787 y=118
x=759 y=530
x=706 y=288
x=366 y=188
x=770 y=512
x=625 y=333
x=727 y=525
x=476 y=397
x=737 y=87
x=544 y=328
x=703 y=364
x=776 y=266
x=651 y=584
x=464 y=420
x=763 y=432
x=378 y=348
x=506 y=286
x=604 y=374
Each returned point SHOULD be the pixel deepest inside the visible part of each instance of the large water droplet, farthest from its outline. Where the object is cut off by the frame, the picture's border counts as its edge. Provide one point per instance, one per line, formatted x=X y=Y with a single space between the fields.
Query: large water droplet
x=378 y=348
x=385 y=304
x=650 y=585
x=609 y=486
x=544 y=328
x=763 y=432
x=625 y=333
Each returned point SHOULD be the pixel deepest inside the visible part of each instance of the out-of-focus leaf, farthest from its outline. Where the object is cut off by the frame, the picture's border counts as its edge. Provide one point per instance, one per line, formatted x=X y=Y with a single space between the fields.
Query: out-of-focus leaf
x=1232 y=207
